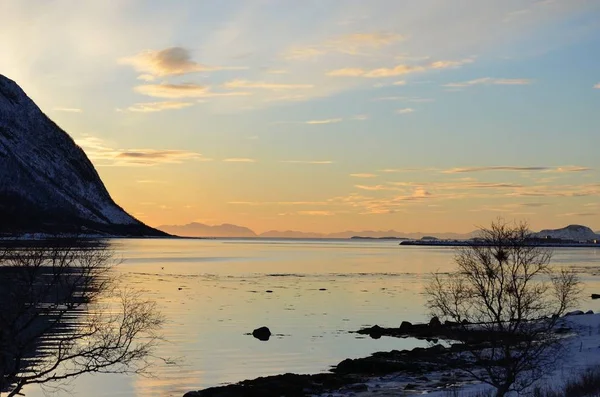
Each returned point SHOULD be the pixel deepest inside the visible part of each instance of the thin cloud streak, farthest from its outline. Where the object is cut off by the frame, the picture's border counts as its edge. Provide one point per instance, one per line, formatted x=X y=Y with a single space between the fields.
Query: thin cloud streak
x=68 y=110
x=327 y=121
x=99 y=152
x=265 y=86
x=185 y=90
x=561 y=169
x=349 y=44
x=151 y=107
x=307 y=161
x=363 y=175
x=488 y=81
x=239 y=160
x=398 y=70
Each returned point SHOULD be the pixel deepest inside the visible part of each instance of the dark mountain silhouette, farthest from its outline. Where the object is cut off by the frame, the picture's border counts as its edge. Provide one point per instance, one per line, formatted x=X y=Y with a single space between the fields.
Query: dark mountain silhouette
x=47 y=183
x=571 y=232
x=196 y=229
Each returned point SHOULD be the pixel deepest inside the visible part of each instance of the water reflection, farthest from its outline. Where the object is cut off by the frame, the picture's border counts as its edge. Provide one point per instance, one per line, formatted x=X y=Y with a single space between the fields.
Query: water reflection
x=52 y=324
x=213 y=293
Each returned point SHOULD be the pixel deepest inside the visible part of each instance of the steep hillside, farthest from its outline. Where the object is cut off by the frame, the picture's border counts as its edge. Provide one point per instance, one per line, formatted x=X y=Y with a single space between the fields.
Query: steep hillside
x=47 y=183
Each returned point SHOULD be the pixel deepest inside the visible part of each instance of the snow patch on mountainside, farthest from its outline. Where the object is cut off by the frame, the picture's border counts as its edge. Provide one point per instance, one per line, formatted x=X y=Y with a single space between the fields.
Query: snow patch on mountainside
x=45 y=178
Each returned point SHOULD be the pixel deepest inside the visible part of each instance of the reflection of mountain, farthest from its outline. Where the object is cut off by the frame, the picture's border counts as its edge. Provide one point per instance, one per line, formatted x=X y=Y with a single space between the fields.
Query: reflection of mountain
x=47 y=183
x=196 y=229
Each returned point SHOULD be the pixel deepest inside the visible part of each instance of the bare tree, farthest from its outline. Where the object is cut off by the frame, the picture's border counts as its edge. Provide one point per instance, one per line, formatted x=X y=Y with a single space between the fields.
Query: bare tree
x=506 y=300
x=54 y=324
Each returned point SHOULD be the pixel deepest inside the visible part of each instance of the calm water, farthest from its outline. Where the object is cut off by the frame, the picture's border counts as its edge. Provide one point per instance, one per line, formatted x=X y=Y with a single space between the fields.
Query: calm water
x=213 y=292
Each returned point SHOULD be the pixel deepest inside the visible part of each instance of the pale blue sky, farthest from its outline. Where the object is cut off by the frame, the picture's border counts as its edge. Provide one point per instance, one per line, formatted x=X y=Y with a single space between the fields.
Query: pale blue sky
x=281 y=114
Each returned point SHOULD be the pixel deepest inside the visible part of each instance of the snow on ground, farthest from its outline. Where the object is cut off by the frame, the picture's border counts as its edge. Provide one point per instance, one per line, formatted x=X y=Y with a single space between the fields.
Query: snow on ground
x=582 y=351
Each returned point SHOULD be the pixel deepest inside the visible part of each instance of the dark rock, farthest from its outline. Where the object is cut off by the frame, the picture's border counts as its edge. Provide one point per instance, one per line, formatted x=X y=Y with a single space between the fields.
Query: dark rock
x=595 y=296
x=262 y=333
x=435 y=322
x=406 y=326
x=359 y=387
x=574 y=313
x=375 y=332
x=289 y=385
x=269 y=291
x=589 y=312
x=322 y=289
x=410 y=386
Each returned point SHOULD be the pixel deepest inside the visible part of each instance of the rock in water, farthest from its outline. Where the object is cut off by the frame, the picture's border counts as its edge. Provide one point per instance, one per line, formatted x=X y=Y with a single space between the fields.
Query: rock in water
x=262 y=333
x=47 y=183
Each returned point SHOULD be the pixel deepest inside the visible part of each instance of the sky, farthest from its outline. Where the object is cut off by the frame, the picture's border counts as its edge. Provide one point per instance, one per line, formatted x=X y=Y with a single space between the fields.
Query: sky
x=324 y=115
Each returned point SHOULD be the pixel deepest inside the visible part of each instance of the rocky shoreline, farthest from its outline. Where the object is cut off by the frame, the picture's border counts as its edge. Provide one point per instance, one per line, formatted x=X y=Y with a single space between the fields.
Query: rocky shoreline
x=429 y=370
x=415 y=367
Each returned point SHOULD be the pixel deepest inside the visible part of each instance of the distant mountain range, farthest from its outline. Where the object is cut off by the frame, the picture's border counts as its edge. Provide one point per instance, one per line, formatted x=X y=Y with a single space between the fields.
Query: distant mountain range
x=195 y=229
x=47 y=183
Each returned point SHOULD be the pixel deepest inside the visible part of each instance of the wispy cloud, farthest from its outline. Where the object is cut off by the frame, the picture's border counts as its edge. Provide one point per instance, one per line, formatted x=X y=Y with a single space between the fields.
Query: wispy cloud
x=185 y=90
x=571 y=168
x=488 y=81
x=168 y=62
x=239 y=160
x=516 y=168
x=150 y=107
x=150 y=181
x=405 y=111
x=404 y=99
x=308 y=161
x=234 y=84
x=399 y=170
x=102 y=154
x=154 y=156
x=579 y=214
x=363 y=175
x=326 y=121
x=376 y=73
x=374 y=188
x=280 y=203
x=398 y=70
x=68 y=110
x=597 y=86
x=316 y=213
x=350 y=44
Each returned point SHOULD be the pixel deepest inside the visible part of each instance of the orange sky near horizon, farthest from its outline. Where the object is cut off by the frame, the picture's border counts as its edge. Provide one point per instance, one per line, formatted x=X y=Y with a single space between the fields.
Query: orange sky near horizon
x=418 y=116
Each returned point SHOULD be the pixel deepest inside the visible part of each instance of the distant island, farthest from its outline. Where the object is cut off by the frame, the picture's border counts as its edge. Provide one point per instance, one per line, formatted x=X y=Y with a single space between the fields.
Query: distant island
x=569 y=236
x=573 y=235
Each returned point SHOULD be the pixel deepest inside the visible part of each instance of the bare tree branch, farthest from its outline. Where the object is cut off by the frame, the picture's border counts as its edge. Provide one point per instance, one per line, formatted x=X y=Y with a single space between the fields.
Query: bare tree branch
x=505 y=288
x=62 y=314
